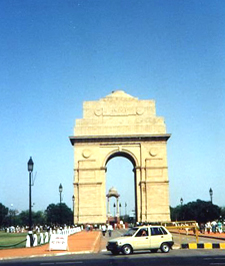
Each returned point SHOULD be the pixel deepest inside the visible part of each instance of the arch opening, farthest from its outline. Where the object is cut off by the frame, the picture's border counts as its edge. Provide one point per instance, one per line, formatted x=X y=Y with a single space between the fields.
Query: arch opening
x=121 y=176
x=121 y=154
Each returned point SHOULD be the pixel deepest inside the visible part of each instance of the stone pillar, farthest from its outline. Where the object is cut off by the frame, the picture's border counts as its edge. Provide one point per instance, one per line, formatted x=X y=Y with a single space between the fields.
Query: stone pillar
x=117 y=207
x=108 y=206
x=102 y=182
x=76 y=195
x=139 y=210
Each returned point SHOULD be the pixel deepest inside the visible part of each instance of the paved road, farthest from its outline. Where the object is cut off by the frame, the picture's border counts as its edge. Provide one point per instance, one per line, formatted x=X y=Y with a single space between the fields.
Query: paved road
x=174 y=258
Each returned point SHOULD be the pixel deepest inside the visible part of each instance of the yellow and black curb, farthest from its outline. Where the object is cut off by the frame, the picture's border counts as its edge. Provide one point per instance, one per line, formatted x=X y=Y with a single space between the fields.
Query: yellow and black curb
x=203 y=246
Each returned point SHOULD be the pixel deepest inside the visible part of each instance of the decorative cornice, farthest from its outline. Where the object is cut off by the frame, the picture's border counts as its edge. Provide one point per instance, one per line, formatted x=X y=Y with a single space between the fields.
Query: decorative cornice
x=90 y=169
x=119 y=138
x=150 y=167
x=86 y=183
x=154 y=182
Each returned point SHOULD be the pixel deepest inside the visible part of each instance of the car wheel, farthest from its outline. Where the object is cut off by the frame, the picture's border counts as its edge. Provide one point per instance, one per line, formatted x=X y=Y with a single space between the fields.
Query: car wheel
x=154 y=250
x=127 y=249
x=165 y=248
x=115 y=252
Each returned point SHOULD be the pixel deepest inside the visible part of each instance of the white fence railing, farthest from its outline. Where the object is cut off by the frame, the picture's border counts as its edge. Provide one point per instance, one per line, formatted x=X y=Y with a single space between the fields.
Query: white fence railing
x=44 y=238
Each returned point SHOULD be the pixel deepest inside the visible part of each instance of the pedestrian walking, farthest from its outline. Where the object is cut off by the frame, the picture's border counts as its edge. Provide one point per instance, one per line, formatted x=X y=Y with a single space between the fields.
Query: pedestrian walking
x=202 y=228
x=219 y=227
x=208 y=227
x=110 y=229
x=103 y=229
x=214 y=225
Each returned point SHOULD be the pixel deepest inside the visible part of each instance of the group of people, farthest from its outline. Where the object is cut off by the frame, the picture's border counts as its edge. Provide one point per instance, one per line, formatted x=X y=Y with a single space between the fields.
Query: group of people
x=211 y=227
x=13 y=229
x=108 y=228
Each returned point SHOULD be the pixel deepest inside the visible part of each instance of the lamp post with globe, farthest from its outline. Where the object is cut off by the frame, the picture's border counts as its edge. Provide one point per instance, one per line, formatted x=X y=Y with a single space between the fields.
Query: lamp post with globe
x=60 y=201
x=211 y=195
x=30 y=166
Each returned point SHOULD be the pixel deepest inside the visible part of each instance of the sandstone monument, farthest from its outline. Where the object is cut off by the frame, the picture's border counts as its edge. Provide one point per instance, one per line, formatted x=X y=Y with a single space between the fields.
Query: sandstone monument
x=120 y=125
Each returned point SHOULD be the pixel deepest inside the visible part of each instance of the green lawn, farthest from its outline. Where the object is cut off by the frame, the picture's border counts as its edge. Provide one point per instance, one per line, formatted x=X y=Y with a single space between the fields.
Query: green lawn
x=12 y=240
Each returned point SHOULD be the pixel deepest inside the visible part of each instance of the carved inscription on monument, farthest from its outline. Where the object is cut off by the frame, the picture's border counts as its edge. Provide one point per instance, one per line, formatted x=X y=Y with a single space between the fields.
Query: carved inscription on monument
x=119 y=111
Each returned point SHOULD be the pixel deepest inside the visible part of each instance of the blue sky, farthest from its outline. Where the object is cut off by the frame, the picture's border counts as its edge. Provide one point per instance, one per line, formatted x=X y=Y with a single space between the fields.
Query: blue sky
x=56 y=54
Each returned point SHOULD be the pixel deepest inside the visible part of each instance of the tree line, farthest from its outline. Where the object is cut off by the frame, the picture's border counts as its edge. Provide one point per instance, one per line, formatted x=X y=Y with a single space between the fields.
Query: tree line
x=55 y=214
x=200 y=211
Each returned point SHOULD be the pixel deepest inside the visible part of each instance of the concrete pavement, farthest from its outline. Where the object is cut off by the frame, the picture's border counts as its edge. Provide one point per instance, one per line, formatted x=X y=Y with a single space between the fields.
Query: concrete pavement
x=82 y=242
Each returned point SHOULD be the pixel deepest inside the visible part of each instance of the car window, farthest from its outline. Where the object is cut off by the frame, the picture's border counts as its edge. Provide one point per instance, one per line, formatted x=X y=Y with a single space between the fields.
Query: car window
x=142 y=232
x=164 y=231
x=131 y=231
x=155 y=231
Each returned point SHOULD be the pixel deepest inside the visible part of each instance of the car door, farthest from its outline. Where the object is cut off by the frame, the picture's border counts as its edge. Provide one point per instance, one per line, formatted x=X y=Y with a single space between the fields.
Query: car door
x=141 y=239
x=157 y=237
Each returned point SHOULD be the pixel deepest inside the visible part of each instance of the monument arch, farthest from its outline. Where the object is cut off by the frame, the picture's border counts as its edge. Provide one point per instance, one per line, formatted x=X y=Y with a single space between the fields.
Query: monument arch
x=120 y=125
x=126 y=154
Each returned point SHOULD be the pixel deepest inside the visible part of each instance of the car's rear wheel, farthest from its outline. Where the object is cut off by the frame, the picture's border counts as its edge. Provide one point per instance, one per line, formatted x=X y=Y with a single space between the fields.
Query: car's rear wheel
x=127 y=249
x=165 y=248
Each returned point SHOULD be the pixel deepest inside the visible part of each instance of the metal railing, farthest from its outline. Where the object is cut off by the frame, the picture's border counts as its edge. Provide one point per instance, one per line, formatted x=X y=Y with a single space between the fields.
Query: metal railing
x=183 y=227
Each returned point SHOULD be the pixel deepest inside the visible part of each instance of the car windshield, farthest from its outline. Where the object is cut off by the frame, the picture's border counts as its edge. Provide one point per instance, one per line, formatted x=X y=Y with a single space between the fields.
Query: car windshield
x=131 y=231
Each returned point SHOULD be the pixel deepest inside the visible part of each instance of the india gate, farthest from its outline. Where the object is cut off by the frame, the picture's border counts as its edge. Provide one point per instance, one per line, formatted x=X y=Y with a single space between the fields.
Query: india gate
x=120 y=125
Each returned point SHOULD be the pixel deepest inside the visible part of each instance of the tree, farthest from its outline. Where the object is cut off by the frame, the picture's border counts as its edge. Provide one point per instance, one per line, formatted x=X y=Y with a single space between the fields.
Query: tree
x=200 y=211
x=3 y=213
x=38 y=218
x=23 y=218
x=59 y=214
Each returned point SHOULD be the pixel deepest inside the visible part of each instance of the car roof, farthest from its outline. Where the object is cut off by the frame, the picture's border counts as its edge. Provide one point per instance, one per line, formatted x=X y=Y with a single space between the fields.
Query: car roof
x=149 y=225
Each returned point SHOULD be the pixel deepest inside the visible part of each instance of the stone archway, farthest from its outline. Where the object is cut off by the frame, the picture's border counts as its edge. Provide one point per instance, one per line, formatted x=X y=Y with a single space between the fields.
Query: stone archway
x=120 y=124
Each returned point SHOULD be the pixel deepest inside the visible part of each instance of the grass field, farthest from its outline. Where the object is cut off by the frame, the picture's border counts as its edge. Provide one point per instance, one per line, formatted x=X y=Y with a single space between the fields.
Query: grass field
x=12 y=240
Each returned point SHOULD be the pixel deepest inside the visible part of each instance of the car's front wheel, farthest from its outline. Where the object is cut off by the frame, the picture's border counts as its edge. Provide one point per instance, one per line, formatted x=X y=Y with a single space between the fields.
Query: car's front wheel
x=127 y=249
x=165 y=248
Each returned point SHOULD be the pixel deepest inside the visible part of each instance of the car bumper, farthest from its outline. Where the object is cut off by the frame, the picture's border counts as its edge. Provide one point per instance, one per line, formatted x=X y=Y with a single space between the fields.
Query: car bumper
x=113 y=247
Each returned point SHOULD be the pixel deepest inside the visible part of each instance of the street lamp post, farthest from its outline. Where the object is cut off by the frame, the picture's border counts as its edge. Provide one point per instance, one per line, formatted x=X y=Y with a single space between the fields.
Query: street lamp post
x=181 y=204
x=60 y=201
x=181 y=201
x=30 y=166
x=211 y=194
x=73 y=200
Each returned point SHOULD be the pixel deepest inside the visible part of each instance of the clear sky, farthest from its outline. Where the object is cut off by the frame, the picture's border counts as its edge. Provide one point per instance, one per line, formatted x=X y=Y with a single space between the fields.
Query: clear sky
x=56 y=54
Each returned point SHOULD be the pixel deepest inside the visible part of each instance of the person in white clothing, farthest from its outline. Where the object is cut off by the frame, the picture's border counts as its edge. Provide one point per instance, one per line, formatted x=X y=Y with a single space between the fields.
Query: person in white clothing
x=103 y=229
x=110 y=229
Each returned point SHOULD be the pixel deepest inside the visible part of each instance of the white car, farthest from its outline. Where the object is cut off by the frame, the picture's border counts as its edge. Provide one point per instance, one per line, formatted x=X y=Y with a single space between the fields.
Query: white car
x=142 y=238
